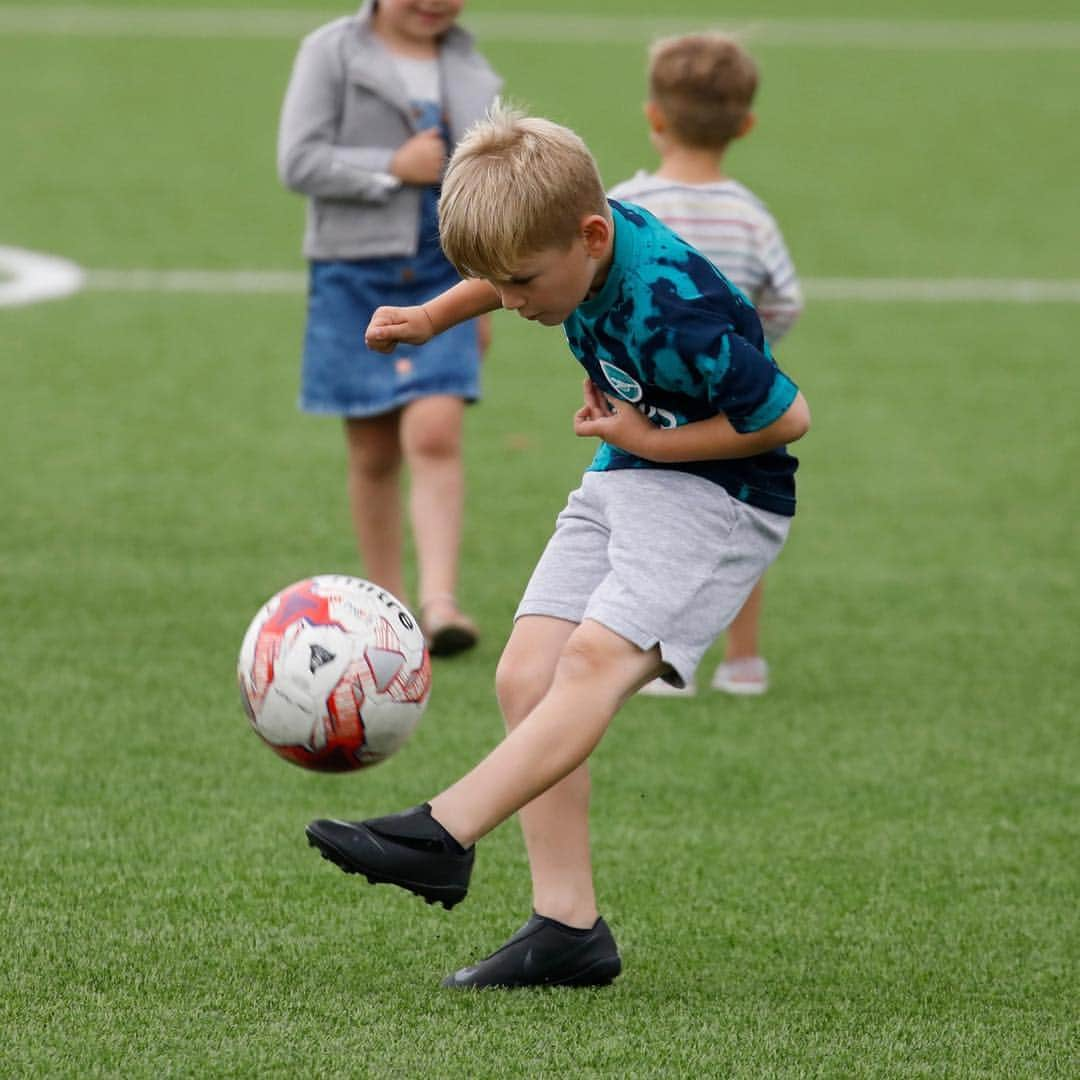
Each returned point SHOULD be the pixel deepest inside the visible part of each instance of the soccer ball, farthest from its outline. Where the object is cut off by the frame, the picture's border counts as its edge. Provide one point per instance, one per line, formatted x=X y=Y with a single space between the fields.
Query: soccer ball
x=334 y=673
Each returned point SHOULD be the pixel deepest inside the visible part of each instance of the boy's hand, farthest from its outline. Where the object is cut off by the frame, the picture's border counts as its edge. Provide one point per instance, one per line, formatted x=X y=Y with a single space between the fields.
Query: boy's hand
x=615 y=421
x=392 y=326
x=421 y=159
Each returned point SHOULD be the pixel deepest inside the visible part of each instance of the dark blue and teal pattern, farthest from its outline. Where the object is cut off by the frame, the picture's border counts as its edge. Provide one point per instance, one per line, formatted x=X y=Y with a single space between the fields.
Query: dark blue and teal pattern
x=669 y=333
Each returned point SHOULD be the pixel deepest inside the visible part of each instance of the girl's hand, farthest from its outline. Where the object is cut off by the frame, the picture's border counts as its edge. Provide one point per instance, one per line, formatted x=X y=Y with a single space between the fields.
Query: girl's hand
x=615 y=421
x=391 y=326
x=421 y=159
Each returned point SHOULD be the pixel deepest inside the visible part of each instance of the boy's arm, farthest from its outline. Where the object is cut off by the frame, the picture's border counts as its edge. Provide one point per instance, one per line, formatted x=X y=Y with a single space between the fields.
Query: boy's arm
x=391 y=326
x=716 y=438
x=779 y=310
x=621 y=425
x=779 y=301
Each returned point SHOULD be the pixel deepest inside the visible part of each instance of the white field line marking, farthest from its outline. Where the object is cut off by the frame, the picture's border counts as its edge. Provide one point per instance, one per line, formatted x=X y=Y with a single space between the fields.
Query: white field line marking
x=197 y=281
x=27 y=277
x=946 y=290
x=1009 y=35
x=881 y=290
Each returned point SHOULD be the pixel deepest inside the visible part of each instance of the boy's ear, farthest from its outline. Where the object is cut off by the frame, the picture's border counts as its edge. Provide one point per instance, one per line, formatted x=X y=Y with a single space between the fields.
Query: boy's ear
x=596 y=231
x=655 y=117
x=747 y=125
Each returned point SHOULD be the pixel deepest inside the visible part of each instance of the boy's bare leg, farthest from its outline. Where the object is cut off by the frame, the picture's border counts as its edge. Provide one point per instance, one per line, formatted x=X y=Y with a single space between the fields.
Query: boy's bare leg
x=742 y=634
x=374 y=469
x=556 y=824
x=596 y=671
x=559 y=684
x=556 y=830
x=431 y=431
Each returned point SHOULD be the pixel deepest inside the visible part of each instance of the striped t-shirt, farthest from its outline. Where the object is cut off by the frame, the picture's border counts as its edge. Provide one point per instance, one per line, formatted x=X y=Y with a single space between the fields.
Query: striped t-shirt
x=731 y=227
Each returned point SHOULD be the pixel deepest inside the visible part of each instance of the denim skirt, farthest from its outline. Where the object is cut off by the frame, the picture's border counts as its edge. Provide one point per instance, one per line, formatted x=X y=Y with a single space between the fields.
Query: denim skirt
x=342 y=377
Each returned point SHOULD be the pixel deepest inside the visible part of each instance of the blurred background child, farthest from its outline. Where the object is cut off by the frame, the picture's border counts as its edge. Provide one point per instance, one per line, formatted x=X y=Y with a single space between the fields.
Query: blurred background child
x=375 y=104
x=701 y=89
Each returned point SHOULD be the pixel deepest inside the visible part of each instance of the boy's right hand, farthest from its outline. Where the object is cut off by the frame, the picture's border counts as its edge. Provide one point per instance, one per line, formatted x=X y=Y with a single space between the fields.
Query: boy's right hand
x=392 y=326
x=421 y=159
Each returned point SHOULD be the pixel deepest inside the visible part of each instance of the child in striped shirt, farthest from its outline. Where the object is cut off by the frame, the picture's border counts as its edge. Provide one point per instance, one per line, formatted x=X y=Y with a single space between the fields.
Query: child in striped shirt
x=701 y=88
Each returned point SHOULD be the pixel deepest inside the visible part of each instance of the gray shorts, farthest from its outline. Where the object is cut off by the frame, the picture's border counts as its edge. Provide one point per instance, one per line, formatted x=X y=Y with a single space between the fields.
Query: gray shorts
x=659 y=557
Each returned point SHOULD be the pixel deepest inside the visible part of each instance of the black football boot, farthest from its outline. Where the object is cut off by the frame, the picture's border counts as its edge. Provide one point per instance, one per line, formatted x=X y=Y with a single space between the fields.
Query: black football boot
x=546 y=953
x=410 y=849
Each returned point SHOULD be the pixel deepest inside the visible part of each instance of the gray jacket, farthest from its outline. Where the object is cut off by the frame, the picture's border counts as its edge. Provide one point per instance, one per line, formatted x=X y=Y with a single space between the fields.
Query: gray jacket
x=345 y=114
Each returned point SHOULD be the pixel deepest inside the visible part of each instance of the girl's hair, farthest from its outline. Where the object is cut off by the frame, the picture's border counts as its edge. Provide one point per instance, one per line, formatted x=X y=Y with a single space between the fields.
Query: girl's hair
x=515 y=186
x=704 y=84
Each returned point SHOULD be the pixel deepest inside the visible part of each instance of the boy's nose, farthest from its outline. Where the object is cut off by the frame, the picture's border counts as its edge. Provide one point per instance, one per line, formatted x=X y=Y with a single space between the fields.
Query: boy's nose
x=511 y=300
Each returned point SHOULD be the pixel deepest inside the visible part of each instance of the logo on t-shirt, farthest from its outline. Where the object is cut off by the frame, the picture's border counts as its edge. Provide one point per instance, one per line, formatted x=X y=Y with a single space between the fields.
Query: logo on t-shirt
x=624 y=385
x=661 y=417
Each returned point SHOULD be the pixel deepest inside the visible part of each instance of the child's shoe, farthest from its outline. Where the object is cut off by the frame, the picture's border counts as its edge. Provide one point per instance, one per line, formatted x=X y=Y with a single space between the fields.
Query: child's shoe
x=747 y=677
x=446 y=630
x=546 y=953
x=410 y=849
x=659 y=688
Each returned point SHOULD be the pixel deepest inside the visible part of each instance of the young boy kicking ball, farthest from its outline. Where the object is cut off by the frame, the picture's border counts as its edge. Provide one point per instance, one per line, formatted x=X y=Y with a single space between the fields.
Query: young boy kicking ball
x=688 y=500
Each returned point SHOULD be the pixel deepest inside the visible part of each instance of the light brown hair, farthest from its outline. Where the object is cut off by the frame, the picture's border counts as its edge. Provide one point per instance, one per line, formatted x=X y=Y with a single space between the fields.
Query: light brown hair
x=704 y=84
x=515 y=186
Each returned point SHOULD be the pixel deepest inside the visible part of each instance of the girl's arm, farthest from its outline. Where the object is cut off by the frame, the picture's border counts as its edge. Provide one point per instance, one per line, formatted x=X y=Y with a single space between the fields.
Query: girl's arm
x=309 y=161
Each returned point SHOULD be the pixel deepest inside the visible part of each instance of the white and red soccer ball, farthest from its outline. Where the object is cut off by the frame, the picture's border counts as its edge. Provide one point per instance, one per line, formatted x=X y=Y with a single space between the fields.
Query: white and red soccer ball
x=334 y=673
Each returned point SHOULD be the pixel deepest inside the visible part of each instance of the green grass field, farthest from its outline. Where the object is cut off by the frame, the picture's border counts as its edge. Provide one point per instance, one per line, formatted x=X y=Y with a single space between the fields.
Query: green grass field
x=870 y=872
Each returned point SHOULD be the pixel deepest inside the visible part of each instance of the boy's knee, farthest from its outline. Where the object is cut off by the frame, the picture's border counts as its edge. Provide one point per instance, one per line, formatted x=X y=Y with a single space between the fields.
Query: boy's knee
x=520 y=682
x=598 y=655
x=591 y=649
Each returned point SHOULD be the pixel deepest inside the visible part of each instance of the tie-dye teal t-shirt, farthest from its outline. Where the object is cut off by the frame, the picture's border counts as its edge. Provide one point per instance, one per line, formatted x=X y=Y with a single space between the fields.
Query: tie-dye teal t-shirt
x=671 y=335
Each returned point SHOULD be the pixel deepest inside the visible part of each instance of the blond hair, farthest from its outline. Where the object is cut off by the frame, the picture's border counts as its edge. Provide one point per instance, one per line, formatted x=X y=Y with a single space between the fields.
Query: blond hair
x=704 y=84
x=515 y=186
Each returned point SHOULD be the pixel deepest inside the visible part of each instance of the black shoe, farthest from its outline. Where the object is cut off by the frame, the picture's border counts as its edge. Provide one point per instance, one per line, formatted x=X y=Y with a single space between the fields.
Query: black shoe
x=449 y=636
x=452 y=639
x=410 y=849
x=546 y=953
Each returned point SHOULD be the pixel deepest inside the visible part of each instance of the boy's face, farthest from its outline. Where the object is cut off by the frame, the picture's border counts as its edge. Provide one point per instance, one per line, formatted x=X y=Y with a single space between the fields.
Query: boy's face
x=547 y=286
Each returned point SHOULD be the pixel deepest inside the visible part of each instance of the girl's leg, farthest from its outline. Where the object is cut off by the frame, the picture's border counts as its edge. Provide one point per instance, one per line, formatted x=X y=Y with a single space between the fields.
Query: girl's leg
x=742 y=634
x=374 y=471
x=431 y=431
x=542 y=758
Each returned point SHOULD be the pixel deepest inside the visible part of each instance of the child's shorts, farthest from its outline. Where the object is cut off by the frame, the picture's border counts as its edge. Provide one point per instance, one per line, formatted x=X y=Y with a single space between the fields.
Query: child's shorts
x=660 y=557
x=340 y=375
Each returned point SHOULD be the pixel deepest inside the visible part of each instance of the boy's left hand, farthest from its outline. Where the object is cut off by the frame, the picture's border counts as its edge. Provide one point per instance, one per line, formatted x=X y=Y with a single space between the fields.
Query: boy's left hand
x=615 y=421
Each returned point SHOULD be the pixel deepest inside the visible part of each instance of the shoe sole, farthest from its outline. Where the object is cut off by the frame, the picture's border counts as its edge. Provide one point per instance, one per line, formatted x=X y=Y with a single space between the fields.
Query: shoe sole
x=447 y=895
x=601 y=972
x=740 y=689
